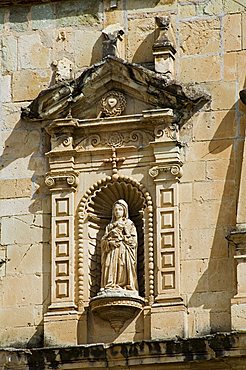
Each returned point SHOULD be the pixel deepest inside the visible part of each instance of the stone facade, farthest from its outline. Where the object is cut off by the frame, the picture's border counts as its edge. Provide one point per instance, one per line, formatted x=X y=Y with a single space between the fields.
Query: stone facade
x=180 y=65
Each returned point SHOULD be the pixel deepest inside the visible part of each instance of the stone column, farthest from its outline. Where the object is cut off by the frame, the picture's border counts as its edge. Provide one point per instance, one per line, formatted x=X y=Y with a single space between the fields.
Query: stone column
x=238 y=238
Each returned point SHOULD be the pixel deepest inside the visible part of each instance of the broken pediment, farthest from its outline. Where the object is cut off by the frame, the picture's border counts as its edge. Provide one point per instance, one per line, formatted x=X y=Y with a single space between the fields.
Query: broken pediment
x=139 y=89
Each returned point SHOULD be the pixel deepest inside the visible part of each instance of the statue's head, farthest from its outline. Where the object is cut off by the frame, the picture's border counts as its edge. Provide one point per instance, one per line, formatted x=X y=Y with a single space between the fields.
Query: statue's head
x=120 y=208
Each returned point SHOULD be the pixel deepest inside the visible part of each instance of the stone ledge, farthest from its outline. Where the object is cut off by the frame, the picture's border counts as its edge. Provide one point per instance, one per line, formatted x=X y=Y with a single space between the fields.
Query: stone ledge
x=25 y=2
x=228 y=348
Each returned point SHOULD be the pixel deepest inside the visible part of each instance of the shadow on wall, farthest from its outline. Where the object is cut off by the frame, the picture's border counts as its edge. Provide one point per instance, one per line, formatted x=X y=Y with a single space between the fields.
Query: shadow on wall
x=144 y=53
x=29 y=141
x=96 y=54
x=217 y=285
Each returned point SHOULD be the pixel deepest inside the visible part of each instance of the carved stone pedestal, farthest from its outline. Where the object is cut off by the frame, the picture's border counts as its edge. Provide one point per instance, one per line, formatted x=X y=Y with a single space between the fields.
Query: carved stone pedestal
x=117 y=307
x=168 y=320
x=61 y=328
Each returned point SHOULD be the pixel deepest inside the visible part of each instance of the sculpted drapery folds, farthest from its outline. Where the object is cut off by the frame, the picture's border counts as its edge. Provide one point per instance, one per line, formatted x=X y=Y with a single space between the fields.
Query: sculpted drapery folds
x=119 y=251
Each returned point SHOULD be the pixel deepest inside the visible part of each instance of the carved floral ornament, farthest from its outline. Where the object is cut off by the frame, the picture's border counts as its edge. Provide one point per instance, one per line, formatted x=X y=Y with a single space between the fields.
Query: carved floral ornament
x=113 y=103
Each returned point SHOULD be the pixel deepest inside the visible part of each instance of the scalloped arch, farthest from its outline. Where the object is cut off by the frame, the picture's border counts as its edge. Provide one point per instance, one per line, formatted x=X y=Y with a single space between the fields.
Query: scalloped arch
x=96 y=205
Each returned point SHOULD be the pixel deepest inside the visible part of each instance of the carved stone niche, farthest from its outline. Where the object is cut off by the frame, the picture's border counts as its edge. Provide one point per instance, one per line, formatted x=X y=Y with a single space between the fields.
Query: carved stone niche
x=114 y=136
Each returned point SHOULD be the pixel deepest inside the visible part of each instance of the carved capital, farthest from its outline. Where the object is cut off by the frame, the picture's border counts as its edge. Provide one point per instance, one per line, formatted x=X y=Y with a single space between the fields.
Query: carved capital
x=62 y=180
x=175 y=170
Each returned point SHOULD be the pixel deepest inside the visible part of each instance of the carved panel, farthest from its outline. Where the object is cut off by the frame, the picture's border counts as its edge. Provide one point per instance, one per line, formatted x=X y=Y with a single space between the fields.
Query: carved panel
x=167 y=242
x=62 y=284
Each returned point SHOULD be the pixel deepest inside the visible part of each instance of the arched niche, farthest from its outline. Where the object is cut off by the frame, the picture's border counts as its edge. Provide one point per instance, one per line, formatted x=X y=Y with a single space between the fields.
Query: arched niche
x=95 y=213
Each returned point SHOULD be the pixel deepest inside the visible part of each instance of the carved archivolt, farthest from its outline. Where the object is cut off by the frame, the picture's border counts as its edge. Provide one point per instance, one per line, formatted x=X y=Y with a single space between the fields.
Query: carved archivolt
x=96 y=206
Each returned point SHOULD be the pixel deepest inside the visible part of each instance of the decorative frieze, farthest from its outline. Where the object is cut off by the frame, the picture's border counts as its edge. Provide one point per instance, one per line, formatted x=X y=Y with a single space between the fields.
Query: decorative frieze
x=116 y=139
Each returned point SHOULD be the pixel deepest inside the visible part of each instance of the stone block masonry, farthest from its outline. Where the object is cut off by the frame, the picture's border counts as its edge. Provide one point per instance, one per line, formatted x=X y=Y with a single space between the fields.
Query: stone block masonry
x=210 y=40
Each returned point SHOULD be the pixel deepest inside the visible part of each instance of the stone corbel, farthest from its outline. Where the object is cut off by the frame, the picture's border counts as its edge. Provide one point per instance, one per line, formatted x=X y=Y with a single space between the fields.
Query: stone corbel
x=175 y=170
x=62 y=180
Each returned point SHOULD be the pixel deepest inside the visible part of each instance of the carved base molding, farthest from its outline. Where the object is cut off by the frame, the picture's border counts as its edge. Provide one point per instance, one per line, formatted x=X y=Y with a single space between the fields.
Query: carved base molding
x=117 y=307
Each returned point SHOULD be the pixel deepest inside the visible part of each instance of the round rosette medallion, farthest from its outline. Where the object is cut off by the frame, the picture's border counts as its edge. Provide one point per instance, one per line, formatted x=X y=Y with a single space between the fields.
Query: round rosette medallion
x=113 y=103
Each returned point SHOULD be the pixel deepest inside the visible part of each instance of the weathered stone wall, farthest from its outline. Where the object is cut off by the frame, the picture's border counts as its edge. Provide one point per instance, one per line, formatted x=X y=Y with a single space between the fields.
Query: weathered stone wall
x=210 y=38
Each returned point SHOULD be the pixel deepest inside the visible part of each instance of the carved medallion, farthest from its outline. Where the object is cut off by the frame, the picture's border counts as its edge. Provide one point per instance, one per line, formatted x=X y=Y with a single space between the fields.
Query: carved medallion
x=113 y=103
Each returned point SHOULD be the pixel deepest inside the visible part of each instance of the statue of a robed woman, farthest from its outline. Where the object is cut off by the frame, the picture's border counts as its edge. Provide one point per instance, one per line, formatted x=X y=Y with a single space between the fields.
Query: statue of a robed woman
x=119 y=251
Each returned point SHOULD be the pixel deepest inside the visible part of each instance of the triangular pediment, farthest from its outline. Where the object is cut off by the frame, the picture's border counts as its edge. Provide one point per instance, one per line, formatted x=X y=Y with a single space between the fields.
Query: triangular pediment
x=142 y=89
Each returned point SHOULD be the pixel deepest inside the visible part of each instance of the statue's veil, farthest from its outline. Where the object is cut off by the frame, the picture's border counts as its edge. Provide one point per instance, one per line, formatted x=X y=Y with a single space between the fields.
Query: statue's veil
x=124 y=205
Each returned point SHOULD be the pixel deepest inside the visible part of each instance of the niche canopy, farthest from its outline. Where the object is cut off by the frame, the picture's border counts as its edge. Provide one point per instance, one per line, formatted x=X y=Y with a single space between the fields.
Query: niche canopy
x=114 y=134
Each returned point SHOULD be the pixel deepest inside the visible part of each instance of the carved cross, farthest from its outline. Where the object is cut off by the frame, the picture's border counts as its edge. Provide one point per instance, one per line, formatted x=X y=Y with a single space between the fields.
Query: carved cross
x=114 y=160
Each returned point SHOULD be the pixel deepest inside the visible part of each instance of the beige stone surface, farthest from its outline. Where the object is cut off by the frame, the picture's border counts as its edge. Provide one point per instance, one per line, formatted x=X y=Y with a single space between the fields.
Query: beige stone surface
x=88 y=51
x=243 y=30
x=209 y=213
x=224 y=95
x=214 y=125
x=200 y=244
x=140 y=40
x=187 y=10
x=18 y=188
x=231 y=6
x=200 y=69
x=9 y=53
x=5 y=89
x=210 y=37
x=37 y=81
x=232 y=32
x=230 y=66
x=31 y=53
x=200 y=37
x=241 y=65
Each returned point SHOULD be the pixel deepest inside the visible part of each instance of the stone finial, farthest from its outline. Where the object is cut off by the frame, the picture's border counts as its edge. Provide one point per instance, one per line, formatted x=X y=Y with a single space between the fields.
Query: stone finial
x=63 y=70
x=112 y=35
x=163 y=49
